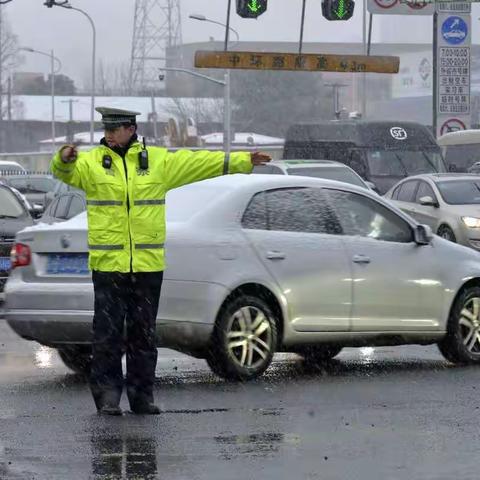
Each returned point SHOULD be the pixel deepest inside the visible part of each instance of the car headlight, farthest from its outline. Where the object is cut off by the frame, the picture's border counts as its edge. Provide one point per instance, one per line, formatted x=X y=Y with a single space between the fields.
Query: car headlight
x=471 y=222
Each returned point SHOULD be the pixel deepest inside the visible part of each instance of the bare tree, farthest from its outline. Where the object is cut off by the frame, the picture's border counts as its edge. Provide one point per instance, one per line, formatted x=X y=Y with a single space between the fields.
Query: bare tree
x=202 y=110
x=9 y=57
x=102 y=79
x=120 y=77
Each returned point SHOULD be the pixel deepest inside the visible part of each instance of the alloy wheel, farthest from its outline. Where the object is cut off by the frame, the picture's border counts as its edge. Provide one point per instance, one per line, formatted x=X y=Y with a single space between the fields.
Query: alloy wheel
x=249 y=337
x=470 y=325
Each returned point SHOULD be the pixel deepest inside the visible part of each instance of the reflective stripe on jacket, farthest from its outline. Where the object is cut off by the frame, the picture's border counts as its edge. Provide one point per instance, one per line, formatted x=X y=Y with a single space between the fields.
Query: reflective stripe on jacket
x=126 y=216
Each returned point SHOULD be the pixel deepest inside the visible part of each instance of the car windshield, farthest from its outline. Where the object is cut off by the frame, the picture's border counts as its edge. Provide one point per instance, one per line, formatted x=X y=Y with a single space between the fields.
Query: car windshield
x=340 y=174
x=460 y=192
x=32 y=185
x=10 y=206
x=400 y=163
x=461 y=157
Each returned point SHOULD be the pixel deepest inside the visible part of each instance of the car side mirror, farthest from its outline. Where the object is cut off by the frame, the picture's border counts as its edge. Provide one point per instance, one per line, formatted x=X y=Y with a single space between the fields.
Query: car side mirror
x=423 y=235
x=37 y=210
x=428 y=201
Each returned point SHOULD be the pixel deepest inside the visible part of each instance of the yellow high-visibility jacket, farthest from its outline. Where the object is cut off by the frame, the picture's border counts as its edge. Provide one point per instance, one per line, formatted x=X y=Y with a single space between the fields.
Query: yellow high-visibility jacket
x=126 y=205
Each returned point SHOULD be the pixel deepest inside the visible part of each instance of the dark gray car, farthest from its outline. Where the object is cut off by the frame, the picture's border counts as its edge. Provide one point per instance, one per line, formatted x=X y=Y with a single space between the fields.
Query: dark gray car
x=14 y=217
x=35 y=187
x=65 y=206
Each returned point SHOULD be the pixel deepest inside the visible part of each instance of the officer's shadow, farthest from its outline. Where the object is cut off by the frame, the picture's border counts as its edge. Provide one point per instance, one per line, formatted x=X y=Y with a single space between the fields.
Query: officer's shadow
x=119 y=457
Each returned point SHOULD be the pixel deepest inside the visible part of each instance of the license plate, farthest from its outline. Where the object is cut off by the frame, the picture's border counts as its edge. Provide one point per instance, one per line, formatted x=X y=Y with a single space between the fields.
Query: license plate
x=5 y=264
x=72 y=264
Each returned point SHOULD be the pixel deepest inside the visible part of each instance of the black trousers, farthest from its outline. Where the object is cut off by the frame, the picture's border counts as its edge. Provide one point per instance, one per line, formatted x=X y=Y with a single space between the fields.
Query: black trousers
x=121 y=299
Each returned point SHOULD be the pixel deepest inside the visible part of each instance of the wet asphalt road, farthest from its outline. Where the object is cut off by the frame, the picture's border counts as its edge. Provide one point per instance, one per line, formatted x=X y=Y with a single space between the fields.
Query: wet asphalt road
x=390 y=413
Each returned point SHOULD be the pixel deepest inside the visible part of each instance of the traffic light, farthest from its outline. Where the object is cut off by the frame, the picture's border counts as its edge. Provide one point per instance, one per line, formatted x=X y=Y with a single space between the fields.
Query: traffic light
x=338 y=9
x=251 y=8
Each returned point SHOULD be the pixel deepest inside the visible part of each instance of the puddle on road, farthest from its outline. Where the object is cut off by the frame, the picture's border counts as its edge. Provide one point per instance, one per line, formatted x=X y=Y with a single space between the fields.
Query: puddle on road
x=39 y=358
x=115 y=457
x=367 y=355
x=44 y=357
x=255 y=444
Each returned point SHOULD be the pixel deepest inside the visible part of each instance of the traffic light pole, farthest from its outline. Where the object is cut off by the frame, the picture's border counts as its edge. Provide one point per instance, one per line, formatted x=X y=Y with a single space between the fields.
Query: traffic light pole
x=227 y=25
x=302 y=26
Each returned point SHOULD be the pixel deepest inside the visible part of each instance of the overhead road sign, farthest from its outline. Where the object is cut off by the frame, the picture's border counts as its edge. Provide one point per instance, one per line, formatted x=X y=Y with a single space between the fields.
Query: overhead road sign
x=308 y=62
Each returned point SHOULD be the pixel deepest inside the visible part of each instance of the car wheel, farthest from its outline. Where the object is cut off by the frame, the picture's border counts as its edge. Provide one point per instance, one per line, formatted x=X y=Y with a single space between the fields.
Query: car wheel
x=77 y=358
x=462 y=342
x=244 y=339
x=446 y=232
x=317 y=355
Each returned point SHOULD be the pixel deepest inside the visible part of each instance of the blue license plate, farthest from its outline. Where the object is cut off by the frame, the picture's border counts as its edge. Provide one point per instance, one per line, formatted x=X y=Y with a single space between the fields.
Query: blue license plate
x=5 y=264
x=73 y=264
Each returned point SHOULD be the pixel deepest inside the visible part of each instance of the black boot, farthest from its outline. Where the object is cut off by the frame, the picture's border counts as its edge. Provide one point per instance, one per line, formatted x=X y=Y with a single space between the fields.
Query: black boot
x=110 y=410
x=107 y=402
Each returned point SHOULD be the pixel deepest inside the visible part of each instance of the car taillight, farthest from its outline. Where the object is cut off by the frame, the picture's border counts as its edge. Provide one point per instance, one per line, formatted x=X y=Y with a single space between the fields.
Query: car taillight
x=20 y=255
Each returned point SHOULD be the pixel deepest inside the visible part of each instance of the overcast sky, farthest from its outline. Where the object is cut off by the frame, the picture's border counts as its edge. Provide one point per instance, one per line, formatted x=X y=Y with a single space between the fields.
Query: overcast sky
x=69 y=33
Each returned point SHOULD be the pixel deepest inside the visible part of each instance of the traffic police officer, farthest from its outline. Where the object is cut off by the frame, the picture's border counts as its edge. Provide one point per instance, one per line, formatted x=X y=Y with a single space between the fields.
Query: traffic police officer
x=125 y=184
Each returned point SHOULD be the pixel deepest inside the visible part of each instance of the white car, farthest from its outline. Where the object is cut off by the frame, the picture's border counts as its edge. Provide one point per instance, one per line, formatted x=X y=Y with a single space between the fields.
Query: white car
x=265 y=263
x=448 y=203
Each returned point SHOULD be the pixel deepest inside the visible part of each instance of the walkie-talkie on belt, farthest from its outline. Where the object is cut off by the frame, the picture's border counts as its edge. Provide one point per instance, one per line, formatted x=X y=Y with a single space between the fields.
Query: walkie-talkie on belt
x=143 y=157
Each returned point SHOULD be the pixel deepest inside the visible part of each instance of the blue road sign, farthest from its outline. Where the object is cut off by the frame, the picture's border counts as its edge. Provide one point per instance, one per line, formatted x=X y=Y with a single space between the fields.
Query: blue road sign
x=454 y=30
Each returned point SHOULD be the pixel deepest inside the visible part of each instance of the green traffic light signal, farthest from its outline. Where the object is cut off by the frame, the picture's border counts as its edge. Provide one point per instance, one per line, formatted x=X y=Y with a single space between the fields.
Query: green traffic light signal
x=251 y=8
x=338 y=9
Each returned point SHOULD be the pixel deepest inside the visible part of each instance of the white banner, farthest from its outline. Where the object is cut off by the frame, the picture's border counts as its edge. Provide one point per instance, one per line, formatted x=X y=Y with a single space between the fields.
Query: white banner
x=415 y=78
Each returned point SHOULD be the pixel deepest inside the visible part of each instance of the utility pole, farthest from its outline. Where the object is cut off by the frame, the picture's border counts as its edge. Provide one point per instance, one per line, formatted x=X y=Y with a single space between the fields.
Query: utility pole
x=156 y=27
x=9 y=115
x=70 y=134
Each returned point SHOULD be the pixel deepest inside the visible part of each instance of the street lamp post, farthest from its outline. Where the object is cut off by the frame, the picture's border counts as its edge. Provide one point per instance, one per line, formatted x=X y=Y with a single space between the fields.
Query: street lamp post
x=227 y=112
x=53 y=59
x=65 y=4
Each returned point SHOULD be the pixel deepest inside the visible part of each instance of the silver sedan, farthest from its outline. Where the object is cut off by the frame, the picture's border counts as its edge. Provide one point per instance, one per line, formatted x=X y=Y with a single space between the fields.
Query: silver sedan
x=448 y=203
x=264 y=263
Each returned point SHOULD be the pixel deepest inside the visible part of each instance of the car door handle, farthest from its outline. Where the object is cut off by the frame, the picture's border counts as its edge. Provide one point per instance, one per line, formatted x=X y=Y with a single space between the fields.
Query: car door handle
x=274 y=255
x=361 y=259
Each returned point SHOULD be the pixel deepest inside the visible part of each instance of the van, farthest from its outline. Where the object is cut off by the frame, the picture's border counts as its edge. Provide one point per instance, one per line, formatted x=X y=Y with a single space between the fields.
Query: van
x=461 y=150
x=382 y=153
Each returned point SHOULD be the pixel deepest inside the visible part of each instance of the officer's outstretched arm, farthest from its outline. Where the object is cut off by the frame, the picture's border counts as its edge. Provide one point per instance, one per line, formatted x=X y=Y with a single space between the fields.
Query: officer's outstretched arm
x=184 y=166
x=70 y=168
